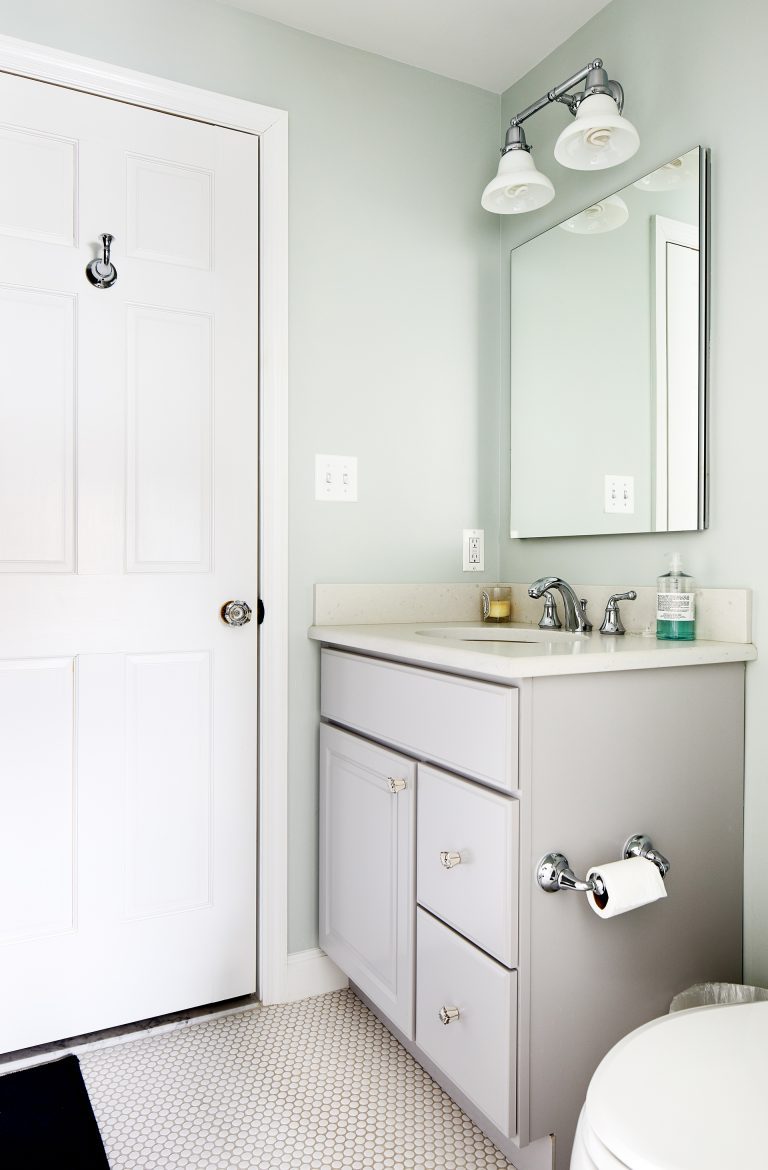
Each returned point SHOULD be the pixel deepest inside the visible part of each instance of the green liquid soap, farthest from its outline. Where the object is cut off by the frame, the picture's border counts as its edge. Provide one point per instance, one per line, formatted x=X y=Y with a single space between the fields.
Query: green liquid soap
x=675 y=605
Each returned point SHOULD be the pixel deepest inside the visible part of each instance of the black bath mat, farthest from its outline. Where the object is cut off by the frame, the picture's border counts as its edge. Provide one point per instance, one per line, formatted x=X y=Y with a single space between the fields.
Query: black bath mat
x=46 y=1120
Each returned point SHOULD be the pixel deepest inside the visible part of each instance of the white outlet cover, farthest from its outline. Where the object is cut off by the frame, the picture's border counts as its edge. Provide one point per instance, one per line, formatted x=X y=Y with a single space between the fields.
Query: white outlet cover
x=336 y=478
x=473 y=550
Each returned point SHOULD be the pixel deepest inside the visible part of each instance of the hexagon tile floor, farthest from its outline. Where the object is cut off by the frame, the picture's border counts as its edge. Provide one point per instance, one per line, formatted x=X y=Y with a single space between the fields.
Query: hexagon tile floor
x=314 y=1085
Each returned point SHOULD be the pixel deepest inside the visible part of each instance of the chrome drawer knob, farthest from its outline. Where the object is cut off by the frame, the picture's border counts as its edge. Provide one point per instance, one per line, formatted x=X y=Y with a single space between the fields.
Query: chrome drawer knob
x=447 y=1014
x=448 y=860
x=396 y=785
x=236 y=613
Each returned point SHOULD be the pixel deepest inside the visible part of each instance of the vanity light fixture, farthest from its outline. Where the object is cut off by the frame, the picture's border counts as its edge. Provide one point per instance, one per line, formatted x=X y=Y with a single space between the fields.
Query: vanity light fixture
x=599 y=137
x=517 y=186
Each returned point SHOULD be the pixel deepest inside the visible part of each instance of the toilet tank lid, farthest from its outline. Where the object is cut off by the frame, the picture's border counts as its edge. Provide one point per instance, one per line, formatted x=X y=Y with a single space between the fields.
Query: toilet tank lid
x=686 y=1091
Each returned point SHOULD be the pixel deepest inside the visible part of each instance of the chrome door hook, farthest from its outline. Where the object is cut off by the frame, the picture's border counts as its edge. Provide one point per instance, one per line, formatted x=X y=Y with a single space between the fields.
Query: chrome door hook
x=102 y=272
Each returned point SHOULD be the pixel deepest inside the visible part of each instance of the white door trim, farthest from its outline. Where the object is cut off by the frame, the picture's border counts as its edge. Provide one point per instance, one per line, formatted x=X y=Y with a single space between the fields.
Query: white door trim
x=271 y=125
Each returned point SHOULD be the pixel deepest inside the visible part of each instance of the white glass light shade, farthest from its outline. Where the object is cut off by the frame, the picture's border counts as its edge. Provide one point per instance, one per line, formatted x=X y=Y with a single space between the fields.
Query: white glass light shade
x=605 y=216
x=598 y=137
x=517 y=186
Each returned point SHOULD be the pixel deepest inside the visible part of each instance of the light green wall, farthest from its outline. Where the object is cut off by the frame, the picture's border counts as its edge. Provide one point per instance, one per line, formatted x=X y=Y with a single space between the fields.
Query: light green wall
x=393 y=307
x=676 y=62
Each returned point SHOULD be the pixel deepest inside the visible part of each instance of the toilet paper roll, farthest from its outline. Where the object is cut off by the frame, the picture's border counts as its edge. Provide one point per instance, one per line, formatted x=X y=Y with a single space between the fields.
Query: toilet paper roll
x=627 y=884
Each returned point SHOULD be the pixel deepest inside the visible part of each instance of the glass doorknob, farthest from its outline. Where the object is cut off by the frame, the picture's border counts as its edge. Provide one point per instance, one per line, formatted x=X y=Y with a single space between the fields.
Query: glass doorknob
x=236 y=613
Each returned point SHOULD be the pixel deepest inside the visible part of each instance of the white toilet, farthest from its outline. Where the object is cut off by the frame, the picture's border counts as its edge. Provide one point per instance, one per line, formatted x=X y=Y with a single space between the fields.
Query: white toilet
x=686 y=1092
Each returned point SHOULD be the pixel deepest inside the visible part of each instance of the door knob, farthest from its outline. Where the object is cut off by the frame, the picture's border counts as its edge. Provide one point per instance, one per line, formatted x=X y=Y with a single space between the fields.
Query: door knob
x=236 y=613
x=448 y=1014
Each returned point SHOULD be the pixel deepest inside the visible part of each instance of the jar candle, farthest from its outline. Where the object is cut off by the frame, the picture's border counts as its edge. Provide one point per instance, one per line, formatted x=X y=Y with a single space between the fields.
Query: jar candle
x=497 y=603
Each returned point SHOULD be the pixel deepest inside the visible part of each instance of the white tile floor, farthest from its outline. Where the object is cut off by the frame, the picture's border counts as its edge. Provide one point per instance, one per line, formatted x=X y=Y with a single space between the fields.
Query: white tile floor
x=315 y=1085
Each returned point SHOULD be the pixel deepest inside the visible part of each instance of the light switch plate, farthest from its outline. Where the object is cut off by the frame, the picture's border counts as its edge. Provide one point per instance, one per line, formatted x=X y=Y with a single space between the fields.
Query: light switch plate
x=336 y=478
x=620 y=494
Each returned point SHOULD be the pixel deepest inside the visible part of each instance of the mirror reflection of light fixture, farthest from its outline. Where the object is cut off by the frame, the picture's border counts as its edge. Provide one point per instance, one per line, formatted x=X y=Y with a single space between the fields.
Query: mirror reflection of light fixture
x=605 y=216
x=671 y=176
x=599 y=137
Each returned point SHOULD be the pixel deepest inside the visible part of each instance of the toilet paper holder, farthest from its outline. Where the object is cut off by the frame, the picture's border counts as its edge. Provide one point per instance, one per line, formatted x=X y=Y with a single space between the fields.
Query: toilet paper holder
x=553 y=873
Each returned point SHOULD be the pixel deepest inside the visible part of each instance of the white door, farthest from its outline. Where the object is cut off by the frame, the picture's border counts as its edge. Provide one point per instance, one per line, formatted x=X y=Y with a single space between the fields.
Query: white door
x=128 y=516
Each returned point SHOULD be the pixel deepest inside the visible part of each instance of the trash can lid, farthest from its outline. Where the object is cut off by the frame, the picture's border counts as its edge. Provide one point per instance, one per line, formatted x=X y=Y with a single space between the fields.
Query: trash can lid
x=686 y=1091
x=706 y=994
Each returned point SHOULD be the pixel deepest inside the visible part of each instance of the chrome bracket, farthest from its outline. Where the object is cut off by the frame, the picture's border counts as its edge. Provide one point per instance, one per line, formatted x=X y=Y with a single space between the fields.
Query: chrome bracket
x=553 y=873
x=640 y=845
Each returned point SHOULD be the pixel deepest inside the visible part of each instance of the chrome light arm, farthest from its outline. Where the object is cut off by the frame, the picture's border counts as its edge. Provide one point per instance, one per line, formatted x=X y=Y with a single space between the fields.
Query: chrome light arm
x=596 y=82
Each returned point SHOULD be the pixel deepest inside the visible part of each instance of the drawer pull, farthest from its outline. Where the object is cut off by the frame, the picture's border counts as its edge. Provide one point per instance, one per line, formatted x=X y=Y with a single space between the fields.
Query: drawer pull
x=448 y=860
x=395 y=785
x=447 y=1014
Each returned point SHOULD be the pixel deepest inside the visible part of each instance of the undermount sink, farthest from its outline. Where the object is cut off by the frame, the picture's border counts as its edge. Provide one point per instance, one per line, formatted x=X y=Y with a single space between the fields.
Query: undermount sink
x=500 y=633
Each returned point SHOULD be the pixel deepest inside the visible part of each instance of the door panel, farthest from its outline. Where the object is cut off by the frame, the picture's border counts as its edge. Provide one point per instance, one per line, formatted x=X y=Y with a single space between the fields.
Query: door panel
x=37 y=341
x=170 y=212
x=128 y=515
x=37 y=796
x=169 y=374
x=168 y=777
x=40 y=202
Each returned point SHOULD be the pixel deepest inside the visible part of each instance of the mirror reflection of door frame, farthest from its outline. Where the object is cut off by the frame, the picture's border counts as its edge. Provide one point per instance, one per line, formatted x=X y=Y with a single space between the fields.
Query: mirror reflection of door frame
x=668 y=237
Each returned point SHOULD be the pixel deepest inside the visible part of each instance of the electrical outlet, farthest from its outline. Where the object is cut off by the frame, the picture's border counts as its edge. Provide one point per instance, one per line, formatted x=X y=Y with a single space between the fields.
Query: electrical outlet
x=473 y=550
x=620 y=493
x=336 y=478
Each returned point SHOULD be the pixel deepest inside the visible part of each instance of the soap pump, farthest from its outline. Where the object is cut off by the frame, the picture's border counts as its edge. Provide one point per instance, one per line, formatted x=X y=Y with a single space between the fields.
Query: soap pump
x=675 y=604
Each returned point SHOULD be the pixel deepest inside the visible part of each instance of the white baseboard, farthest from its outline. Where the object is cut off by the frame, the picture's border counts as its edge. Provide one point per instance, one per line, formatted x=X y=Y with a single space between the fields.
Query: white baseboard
x=311 y=973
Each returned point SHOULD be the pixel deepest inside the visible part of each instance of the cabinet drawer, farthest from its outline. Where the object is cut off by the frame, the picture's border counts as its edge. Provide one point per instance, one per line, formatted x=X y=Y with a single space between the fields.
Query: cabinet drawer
x=367 y=881
x=460 y=723
x=478 y=894
x=478 y=1049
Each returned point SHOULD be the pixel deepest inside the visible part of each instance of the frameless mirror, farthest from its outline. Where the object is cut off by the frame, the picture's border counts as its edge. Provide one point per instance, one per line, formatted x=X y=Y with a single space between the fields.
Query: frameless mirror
x=609 y=363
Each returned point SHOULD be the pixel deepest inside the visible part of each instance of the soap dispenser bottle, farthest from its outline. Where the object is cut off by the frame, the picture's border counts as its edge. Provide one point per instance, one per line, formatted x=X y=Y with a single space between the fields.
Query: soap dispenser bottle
x=675 y=605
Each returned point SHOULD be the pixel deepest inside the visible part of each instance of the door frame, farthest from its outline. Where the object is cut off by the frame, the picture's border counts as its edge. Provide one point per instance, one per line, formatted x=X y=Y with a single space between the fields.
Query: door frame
x=42 y=63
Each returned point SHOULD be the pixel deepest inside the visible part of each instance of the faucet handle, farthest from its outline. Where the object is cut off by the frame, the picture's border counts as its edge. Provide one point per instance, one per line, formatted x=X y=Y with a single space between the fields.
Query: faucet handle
x=612 y=623
x=587 y=623
x=549 y=619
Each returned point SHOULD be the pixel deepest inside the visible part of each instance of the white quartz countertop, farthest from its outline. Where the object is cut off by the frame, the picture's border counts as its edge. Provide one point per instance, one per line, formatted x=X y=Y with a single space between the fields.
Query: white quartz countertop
x=495 y=652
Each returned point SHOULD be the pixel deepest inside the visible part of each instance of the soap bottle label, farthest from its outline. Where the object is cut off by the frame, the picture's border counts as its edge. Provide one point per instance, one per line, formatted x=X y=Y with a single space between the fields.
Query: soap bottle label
x=675 y=607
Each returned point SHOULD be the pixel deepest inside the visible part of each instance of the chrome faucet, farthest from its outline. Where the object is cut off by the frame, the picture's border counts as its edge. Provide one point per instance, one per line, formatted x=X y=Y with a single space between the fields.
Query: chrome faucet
x=575 y=619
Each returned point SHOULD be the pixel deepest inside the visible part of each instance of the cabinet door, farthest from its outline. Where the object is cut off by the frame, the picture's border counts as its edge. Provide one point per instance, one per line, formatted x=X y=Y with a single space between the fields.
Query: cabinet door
x=367 y=871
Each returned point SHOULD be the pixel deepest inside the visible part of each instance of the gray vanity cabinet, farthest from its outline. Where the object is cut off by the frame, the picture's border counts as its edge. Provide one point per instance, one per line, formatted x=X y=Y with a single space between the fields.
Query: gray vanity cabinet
x=510 y=996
